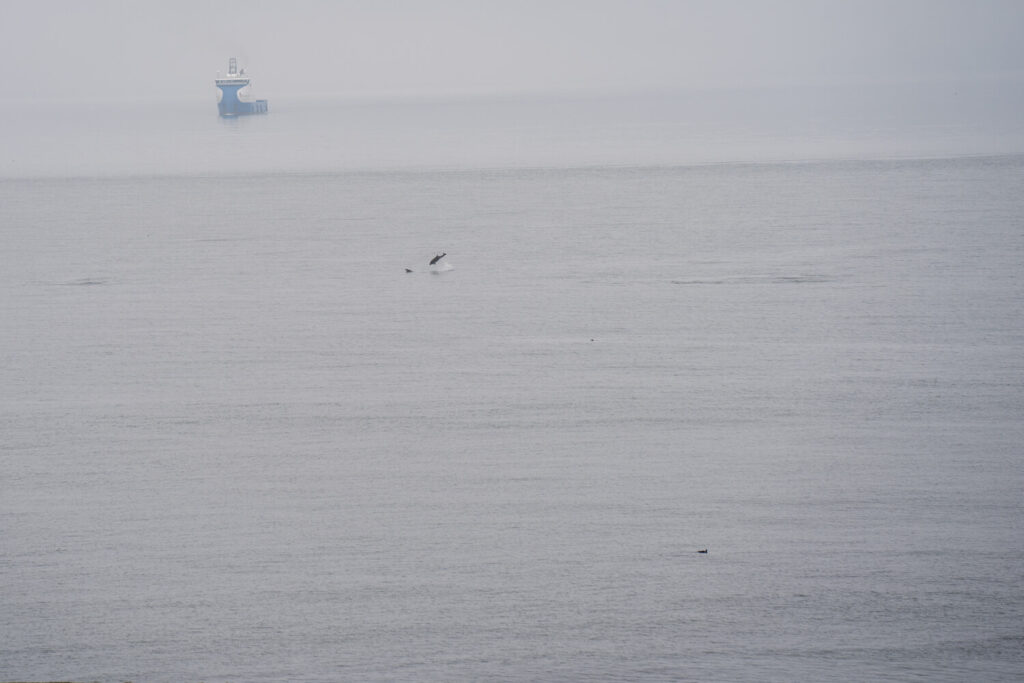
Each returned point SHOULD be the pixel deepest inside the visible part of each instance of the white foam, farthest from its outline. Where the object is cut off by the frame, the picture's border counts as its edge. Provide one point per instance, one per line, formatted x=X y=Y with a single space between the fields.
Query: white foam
x=441 y=267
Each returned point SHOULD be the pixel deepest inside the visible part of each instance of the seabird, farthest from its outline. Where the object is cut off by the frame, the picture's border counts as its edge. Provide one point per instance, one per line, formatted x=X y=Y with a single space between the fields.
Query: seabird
x=705 y=551
x=438 y=258
x=408 y=270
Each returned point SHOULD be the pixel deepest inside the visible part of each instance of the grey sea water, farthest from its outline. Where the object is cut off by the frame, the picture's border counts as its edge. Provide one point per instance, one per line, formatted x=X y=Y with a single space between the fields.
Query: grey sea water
x=240 y=442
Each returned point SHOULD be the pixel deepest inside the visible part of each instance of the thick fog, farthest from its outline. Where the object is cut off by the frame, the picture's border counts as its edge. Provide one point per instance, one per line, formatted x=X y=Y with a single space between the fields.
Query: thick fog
x=112 y=49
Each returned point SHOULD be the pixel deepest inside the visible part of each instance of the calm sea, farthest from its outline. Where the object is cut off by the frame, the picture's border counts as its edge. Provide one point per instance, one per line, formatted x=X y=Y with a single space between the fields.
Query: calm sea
x=239 y=442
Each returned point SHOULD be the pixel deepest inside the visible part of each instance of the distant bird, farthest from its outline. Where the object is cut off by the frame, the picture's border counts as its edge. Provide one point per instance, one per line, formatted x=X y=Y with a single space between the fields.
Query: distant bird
x=438 y=258
x=704 y=552
x=408 y=270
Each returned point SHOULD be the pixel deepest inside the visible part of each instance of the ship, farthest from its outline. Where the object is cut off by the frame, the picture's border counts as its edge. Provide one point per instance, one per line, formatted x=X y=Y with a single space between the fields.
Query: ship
x=233 y=96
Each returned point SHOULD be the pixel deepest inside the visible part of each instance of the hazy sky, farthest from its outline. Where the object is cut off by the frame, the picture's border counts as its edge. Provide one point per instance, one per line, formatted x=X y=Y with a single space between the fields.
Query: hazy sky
x=135 y=49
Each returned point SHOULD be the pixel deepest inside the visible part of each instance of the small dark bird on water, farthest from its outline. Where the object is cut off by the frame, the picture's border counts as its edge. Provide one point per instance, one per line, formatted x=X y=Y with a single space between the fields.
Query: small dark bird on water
x=408 y=270
x=704 y=552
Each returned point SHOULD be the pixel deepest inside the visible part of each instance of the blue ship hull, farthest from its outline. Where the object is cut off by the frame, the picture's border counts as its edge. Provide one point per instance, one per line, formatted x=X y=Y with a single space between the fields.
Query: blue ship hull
x=230 y=105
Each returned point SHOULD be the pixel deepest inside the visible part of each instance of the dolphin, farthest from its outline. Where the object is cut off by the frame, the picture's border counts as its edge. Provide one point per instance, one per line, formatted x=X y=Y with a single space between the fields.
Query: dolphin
x=438 y=258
